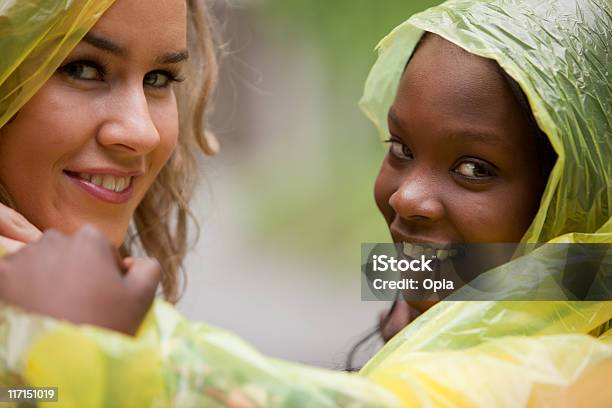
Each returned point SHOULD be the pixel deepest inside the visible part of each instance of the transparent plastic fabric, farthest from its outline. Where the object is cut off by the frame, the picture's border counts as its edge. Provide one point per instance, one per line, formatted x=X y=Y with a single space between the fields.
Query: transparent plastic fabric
x=511 y=353
x=172 y=362
x=175 y=362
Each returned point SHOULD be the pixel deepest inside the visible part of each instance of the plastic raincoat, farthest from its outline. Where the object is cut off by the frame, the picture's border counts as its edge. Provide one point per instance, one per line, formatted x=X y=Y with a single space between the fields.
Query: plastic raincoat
x=559 y=53
x=456 y=354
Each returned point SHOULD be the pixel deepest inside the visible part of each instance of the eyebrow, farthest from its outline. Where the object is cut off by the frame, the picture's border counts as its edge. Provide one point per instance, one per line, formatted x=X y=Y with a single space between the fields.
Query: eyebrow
x=460 y=135
x=119 y=50
x=105 y=44
x=173 y=57
x=477 y=136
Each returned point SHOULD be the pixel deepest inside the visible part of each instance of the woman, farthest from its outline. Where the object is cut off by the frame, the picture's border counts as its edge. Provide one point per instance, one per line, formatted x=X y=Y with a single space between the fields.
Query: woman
x=438 y=99
x=99 y=142
x=172 y=361
x=112 y=152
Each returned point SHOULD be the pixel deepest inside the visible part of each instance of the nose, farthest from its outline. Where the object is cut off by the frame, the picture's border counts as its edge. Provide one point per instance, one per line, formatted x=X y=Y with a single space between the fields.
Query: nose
x=129 y=126
x=418 y=198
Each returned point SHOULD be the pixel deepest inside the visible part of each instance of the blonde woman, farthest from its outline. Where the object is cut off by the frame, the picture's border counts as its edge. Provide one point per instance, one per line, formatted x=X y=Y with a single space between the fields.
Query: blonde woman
x=111 y=138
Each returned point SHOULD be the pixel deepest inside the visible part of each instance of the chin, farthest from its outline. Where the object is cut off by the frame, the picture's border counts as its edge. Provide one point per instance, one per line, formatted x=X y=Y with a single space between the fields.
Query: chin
x=113 y=232
x=422 y=305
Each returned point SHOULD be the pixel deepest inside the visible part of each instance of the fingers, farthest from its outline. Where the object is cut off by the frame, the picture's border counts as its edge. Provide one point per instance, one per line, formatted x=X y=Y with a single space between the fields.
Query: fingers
x=128 y=262
x=8 y=246
x=89 y=233
x=15 y=226
x=142 y=278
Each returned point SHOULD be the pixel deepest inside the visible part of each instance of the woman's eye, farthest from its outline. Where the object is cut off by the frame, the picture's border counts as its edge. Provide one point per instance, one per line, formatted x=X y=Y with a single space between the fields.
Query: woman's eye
x=400 y=150
x=83 y=70
x=473 y=170
x=157 y=79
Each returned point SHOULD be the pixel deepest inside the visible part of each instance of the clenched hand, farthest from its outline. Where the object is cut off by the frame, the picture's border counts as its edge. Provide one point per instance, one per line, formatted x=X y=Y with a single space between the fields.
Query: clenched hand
x=80 y=278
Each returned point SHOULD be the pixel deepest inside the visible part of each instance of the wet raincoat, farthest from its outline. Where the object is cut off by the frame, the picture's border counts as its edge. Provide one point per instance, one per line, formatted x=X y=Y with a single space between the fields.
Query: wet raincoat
x=493 y=353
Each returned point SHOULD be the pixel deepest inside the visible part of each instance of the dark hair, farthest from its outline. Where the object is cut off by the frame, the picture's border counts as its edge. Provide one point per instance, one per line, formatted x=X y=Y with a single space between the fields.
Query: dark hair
x=546 y=154
x=351 y=356
x=546 y=161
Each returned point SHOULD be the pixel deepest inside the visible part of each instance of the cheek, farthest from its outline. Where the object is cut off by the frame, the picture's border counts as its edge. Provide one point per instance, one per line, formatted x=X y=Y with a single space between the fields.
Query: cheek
x=47 y=130
x=167 y=123
x=501 y=215
x=51 y=125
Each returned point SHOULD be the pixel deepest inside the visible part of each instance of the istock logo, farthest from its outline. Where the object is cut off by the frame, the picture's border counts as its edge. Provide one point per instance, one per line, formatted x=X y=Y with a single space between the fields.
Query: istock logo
x=383 y=263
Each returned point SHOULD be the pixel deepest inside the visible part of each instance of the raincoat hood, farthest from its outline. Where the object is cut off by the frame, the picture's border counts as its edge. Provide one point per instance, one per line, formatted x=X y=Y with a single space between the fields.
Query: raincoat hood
x=559 y=53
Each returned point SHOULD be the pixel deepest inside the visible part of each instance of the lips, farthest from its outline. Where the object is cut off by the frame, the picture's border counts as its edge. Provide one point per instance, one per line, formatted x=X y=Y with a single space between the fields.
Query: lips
x=115 y=189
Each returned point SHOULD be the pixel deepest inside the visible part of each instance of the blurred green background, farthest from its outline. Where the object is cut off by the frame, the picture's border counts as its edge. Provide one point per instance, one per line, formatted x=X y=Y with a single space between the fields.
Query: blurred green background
x=319 y=203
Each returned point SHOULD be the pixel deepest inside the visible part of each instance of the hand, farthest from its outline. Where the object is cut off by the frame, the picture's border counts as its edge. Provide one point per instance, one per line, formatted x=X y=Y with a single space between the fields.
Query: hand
x=15 y=230
x=15 y=226
x=80 y=278
x=8 y=245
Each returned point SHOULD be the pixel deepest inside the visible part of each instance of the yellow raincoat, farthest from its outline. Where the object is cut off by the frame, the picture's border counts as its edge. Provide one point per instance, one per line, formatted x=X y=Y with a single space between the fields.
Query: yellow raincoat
x=468 y=354
x=513 y=353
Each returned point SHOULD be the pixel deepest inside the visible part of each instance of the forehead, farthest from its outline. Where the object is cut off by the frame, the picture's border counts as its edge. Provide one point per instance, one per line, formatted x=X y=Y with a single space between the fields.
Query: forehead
x=161 y=24
x=453 y=83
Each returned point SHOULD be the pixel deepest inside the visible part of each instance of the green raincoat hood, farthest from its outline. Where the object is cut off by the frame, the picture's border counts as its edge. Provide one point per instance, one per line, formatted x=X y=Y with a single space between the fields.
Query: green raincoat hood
x=559 y=53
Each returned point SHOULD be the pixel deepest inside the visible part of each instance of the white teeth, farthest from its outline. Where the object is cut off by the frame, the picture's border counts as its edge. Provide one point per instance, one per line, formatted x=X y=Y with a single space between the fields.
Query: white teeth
x=108 y=182
x=407 y=248
x=442 y=254
x=120 y=184
x=415 y=251
x=96 y=179
x=113 y=183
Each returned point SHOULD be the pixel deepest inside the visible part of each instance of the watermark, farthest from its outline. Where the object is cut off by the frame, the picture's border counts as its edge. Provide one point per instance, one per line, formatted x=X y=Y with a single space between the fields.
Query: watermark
x=32 y=395
x=424 y=271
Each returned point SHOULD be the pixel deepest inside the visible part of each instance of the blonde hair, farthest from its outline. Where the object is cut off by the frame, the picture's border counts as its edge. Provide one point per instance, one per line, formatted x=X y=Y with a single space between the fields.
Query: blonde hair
x=160 y=223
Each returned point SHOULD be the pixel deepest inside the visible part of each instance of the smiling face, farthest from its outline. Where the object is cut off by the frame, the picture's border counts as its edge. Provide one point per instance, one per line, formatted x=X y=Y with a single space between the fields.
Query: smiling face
x=87 y=147
x=462 y=165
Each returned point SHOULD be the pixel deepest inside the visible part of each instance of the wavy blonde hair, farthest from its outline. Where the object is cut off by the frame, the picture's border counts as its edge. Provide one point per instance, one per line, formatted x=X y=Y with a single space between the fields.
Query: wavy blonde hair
x=160 y=223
